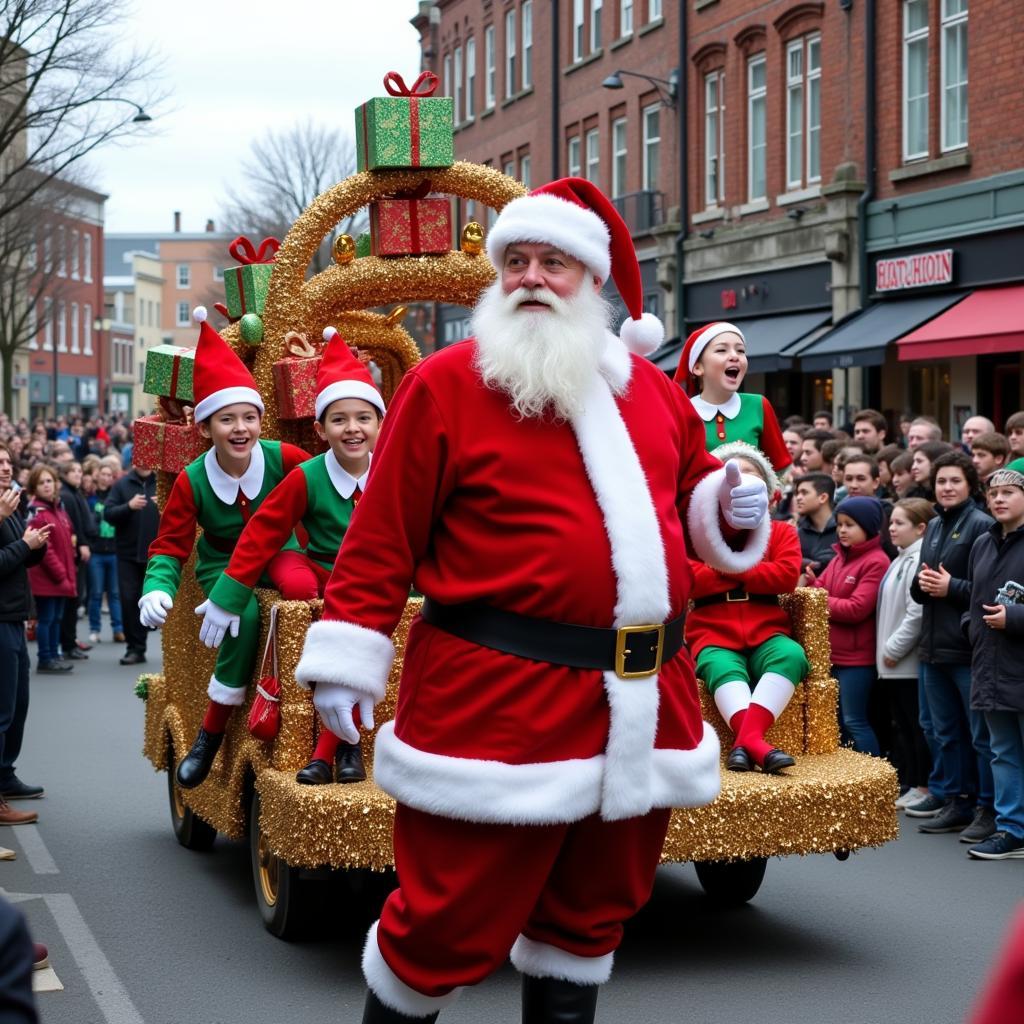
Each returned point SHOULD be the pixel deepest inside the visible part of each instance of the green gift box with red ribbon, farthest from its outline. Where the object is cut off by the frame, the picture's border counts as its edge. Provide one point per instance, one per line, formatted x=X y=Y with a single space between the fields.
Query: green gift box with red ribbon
x=410 y=127
x=169 y=372
x=245 y=286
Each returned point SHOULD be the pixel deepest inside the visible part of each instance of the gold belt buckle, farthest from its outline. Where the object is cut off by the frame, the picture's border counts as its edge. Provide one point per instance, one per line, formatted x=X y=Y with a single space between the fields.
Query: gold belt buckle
x=622 y=651
x=729 y=599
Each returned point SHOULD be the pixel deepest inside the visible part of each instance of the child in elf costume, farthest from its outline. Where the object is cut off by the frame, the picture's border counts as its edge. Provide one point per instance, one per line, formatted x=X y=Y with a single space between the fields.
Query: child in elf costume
x=742 y=639
x=714 y=362
x=322 y=495
x=219 y=492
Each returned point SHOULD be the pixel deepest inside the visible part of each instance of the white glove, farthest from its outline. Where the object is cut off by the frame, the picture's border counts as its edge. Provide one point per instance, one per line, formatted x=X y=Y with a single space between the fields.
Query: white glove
x=216 y=622
x=743 y=499
x=334 y=704
x=153 y=608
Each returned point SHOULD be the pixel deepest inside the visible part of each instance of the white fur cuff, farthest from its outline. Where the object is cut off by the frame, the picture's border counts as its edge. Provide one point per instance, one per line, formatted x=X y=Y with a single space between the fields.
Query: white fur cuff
x=347 y=654
x=391 y=990
x=539 y=960
x=221 y=693
x=705 y=530
x=687 y=778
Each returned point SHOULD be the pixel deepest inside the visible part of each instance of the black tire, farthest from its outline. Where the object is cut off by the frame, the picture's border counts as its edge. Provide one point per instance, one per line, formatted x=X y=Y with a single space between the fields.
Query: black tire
x=282 y=896
x=731 y=883
x=189 y=829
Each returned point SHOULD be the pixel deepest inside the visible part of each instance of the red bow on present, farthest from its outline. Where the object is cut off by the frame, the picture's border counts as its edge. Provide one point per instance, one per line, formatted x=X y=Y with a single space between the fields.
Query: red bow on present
x=425 y=85
x=244 y=252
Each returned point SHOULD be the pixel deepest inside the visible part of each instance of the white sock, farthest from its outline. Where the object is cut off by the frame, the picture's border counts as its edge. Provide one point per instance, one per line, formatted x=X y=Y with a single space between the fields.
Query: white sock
x=732 y=697
x=773 y=692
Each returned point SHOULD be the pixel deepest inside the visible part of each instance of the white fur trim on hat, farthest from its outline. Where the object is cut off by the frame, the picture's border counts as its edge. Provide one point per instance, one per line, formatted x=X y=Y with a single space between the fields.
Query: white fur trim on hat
x=706 y=337
x=643 y=336
x=227 y=396
x=348 y=389
x=391 y=990
x=541 y=960
x=347 y=654
x=545 y=218
x=702 y=520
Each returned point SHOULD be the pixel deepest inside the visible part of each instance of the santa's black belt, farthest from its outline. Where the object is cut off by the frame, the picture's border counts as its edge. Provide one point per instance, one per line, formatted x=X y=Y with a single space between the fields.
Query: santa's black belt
x=735 y=596
x=632 y=652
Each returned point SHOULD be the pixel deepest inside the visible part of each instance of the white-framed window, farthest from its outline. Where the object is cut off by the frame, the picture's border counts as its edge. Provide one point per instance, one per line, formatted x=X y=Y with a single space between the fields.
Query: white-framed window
x=184 y=275
x=490 y=70
x=510 y=53
x=62 y=251
x=524 y=170
x=527 y=44
x=48 y=326
x=74 y=327
x=447 y=83
x=915 y=79
x=813 y=109
x=86 y=257
x=803 y=112
x=158 y=313
x=619 y=162
x=574 y=164
x=62 y=326
x=87 y=329
x=183 y=314
x=593 y=156
x=74 y=255
x=470 y=77
x=625 y=18
x=757 y=129
x=654 y=10
x=595 y=24
x=954 y=74
x=714 y=138
x=652 y=146
x=33 y=327
x=457 y=94
x=577 y=30
x=48 y=252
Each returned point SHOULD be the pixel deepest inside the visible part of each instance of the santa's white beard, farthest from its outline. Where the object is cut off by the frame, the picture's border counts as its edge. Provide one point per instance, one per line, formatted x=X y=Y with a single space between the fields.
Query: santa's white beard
x=543 y=360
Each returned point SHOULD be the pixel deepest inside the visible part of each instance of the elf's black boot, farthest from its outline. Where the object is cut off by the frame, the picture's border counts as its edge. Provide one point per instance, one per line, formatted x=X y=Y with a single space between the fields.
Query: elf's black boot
x=195 y=765
x=348 y=763
x=554 y=1001
x=375 y=1012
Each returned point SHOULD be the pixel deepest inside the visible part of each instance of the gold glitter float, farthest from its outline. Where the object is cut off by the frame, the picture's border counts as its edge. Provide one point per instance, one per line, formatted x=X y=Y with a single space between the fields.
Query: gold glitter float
x=472 y=242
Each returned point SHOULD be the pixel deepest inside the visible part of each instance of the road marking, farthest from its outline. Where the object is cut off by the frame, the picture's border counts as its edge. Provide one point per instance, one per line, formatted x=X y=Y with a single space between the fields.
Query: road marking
x=35 y=850
x=46 y=980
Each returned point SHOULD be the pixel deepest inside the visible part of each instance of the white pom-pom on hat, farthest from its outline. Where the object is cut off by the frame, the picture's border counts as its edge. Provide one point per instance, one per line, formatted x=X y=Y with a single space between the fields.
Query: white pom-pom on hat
x=330 y=332
x=199 y=314
x=643 y=336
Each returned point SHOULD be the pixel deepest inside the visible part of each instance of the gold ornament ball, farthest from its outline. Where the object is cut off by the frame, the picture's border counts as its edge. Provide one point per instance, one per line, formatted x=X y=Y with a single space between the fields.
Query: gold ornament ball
x=472 y=239
x=344 y=250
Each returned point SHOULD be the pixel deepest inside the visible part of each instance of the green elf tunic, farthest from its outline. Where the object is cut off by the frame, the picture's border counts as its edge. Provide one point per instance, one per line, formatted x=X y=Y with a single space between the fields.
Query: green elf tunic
x=220 y=505
x=744 y=418
x=321 y=495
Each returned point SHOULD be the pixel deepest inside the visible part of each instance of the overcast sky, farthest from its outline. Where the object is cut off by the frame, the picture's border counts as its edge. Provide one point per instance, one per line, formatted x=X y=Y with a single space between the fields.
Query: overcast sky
x=236 y=70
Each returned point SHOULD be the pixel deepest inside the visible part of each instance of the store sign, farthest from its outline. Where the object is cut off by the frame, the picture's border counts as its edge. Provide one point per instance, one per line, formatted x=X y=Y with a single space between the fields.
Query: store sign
x=917 y=271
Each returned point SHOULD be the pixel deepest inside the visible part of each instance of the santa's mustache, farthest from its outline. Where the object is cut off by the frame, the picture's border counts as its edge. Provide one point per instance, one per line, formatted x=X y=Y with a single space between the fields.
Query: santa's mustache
x=514 y=300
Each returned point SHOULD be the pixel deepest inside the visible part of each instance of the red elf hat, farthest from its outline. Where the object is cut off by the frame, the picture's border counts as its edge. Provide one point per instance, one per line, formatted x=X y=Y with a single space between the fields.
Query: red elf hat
x=220 y=378
x=695 y=345
x=341 y=375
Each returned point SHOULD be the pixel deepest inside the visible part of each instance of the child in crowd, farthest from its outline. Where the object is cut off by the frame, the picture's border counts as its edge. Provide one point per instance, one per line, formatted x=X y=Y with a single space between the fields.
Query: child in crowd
x=816 y=527
x=996 y=624
x=743 y=640
x=1014 y=431
x=852 y=580
x=886 y=456
x=102 y=565
x=989 y=452
x=321 y=494
x=922 y=459
x=715 y=359
x=219 y=492
x=52 y=581
x=901 y=471
x=898 y=635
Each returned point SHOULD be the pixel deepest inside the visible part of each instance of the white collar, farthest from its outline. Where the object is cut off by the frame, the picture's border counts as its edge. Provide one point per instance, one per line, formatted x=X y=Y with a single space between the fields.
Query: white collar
x=344 y=482
x=226 y=486
x=730 y=410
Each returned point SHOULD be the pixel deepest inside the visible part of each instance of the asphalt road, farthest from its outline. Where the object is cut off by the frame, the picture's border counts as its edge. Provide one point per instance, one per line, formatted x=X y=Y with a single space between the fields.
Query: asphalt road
x=142 y=931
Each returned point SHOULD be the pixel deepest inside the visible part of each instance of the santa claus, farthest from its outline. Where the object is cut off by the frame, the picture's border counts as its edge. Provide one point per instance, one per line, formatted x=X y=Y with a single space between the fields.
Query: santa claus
x=532 y=483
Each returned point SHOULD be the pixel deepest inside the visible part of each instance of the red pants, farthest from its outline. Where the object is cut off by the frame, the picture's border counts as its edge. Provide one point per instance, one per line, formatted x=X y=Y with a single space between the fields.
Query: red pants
x=297 y=577
x=468 y=891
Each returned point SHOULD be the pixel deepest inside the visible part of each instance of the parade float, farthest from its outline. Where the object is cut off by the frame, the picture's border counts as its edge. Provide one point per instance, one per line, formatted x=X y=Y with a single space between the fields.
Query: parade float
x=833 y=801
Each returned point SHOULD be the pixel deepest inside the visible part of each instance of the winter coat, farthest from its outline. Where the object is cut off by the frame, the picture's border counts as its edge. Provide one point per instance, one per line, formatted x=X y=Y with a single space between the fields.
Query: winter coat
x=55 y=575
x=997 y=655
x=77 y=508
x=948 y=541
x=16 y=557
x=898 y=621
x=852 y=579
x=818 y=546
x=135 y=529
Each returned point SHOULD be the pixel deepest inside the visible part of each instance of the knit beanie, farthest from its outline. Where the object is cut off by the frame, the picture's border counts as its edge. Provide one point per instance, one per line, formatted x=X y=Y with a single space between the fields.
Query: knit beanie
x=1009 y=476
x=865 y=512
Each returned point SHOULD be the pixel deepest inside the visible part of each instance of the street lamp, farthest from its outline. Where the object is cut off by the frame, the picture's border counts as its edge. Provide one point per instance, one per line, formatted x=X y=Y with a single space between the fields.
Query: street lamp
x=668 y=94
x=141 y=117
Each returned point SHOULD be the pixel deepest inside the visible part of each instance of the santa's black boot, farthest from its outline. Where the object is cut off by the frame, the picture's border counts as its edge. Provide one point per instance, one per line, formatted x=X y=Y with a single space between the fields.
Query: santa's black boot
x=554 y=1001
x=348 y=763
x=375 y=1012
x=195 y=765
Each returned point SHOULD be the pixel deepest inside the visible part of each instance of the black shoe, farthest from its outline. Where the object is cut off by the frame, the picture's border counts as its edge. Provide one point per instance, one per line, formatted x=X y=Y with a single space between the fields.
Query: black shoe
x=555 y=1001
x=133 y=658
x=75 y=655
x=739 y=760
x=981 y=828
x=195 y=765
x=348 y=763
x=54 y=668
x=316 y=773
x=14 y=789
x=375 y=1012
x=775 y=760
x=954 y=817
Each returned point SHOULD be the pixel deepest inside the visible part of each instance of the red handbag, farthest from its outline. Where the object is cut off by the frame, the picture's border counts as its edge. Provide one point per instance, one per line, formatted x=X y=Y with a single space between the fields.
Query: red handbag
x=265 y=713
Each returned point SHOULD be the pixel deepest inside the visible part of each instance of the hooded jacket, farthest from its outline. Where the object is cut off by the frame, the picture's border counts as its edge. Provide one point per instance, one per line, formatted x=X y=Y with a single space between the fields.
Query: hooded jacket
x=899 y=617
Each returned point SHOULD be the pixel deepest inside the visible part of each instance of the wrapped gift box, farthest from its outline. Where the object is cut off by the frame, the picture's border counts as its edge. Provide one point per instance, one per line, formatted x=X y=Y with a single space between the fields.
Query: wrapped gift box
x=169 y=372
x=410 y=227
x=295 y=384
x=405 y=131
x=167 y=446
x=245 y=288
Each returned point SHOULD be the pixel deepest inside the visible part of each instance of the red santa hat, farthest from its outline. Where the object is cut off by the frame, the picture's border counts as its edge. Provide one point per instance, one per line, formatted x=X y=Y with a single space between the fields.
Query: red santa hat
x=697 y=342
x=220 y=378
x=341 y=375
x=574 y=215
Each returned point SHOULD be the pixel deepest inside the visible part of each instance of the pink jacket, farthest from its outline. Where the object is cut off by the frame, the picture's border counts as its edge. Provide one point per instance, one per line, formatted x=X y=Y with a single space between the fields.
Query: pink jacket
x=55 y=575
x=852 y=580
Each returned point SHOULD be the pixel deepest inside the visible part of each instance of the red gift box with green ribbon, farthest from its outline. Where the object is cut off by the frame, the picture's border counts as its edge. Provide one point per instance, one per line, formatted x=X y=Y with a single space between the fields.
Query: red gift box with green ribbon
x=159 y=444
x=245 y=286
x=410 y=227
